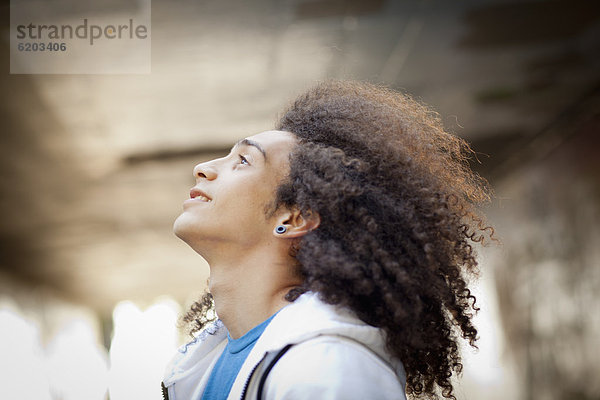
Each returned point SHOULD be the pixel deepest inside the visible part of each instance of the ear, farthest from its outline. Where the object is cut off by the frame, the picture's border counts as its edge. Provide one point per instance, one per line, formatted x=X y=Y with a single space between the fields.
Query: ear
x=297 y=224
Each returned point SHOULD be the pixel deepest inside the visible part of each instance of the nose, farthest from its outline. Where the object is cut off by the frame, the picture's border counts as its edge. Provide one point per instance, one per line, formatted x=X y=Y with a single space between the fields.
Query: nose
x=205 y=170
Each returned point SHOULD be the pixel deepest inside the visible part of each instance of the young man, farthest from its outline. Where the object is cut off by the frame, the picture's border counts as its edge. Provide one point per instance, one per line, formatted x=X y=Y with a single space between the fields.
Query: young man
x=338 y=247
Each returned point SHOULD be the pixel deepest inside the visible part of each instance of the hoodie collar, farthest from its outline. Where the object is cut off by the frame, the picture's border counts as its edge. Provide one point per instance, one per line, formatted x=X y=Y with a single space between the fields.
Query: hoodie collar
x=307 y=317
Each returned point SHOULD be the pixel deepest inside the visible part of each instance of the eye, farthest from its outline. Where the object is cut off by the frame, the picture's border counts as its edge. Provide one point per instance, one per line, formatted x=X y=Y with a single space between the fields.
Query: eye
x=243 y=160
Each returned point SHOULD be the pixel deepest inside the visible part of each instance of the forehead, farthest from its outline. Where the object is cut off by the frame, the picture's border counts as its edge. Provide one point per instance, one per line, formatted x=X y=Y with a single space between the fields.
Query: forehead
x=276 y=145
x=274 y=139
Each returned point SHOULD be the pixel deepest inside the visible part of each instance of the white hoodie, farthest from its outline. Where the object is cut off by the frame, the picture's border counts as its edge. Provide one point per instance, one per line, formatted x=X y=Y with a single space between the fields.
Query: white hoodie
x=335 y=356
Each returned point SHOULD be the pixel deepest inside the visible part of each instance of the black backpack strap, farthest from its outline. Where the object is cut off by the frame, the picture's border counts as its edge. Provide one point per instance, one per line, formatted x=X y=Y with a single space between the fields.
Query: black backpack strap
x=263 y=378
x=263 y=367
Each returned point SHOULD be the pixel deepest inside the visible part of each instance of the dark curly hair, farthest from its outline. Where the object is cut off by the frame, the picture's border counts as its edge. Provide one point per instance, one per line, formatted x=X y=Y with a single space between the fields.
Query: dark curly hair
x=398 y=208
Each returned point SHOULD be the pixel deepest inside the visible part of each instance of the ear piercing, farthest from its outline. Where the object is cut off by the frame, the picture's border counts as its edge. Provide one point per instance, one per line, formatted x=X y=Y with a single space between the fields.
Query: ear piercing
x=280 y=229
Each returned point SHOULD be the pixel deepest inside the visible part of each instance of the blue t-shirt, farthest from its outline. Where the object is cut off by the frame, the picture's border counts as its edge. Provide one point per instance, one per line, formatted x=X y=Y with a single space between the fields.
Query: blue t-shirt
x=230 y=362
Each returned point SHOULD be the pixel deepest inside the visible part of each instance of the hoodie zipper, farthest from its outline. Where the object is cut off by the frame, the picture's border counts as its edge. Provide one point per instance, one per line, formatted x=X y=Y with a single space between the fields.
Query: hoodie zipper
x=165 y=391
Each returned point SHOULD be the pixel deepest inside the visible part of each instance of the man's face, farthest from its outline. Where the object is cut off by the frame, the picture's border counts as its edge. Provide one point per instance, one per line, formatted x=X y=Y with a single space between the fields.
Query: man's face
x=228 y=202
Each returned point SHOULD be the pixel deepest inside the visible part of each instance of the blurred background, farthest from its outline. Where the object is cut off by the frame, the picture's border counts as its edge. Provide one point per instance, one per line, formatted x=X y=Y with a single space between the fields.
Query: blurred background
x=94 y=169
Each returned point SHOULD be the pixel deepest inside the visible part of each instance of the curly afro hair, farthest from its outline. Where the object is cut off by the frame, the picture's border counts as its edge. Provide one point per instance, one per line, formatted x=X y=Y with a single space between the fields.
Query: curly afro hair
x=398 y=208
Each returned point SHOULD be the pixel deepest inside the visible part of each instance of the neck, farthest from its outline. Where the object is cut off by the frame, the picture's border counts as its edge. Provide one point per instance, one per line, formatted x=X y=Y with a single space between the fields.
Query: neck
x=249 y=289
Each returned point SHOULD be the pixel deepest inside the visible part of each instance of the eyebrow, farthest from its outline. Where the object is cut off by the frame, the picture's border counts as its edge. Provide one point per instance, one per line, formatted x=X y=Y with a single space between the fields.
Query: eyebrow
x=248 y=142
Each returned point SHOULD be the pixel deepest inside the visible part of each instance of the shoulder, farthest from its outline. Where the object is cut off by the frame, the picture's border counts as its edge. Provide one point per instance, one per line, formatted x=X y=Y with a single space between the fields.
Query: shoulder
x=330 y=367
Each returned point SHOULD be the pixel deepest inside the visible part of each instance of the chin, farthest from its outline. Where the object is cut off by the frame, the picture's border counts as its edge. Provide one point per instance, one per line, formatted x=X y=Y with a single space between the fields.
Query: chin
x=182 y=228
x=187 y=230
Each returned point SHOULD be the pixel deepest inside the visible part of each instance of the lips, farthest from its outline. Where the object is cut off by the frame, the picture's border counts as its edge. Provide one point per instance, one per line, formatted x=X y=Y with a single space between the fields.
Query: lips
x=199 y=195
